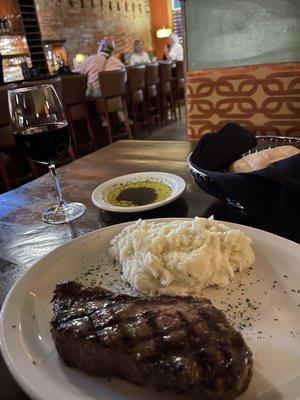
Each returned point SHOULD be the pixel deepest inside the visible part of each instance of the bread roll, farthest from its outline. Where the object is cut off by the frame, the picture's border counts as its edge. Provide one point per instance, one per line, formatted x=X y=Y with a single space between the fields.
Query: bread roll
x=262 y=159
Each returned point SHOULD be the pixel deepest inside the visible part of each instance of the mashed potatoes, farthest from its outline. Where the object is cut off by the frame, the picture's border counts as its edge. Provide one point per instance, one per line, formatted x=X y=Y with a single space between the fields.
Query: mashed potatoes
x=180 y=257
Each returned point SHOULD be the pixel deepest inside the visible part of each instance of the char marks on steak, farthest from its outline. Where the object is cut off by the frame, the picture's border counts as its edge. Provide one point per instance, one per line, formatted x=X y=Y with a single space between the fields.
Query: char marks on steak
x=181 y=343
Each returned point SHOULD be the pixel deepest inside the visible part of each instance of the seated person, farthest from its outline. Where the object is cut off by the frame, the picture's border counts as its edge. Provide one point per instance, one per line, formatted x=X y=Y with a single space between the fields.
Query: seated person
x=173 y=50
x=103 y=61
x=139 y=56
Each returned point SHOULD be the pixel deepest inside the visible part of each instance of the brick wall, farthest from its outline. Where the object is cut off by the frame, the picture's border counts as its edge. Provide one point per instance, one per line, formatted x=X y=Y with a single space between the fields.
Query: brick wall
x=88 y=20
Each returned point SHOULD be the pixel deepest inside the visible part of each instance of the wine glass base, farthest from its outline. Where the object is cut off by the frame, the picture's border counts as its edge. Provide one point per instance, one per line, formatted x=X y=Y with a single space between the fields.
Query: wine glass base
x=63 y=213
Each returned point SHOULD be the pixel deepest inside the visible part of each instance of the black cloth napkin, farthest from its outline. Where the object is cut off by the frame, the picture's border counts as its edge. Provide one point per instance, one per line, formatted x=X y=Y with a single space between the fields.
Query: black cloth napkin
x=217 y=151
x=271 y=195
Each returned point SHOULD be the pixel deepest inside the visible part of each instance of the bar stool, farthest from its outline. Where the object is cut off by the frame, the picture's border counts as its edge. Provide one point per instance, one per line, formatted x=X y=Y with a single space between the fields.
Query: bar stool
x=7 y=141
x=165 y=88
x=112 y=100
x=136 y=84
x=75 y=105
x=179 y=84
x=152 y=81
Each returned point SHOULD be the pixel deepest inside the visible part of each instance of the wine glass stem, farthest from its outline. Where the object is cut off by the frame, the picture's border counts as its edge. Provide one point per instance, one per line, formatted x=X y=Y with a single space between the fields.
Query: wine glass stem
x=56 y=183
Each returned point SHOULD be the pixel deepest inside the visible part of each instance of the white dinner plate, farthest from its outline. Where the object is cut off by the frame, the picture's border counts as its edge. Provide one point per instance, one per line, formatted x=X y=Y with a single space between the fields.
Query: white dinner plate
x=176 y=183
x=264 y=301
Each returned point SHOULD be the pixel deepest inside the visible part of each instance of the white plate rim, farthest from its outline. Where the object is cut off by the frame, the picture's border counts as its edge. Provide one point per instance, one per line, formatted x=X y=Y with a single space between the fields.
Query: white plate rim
x=109 y=207
x=20 y=379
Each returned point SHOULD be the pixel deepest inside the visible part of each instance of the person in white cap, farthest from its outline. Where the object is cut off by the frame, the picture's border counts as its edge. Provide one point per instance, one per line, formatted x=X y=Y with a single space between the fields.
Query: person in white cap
x=174 y=50
x=102 y=61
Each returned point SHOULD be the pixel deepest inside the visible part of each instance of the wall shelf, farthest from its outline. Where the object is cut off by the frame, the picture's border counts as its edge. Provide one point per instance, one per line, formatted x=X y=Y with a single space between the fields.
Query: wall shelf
x=7 y=56
x=30 y=25
x=14 y=33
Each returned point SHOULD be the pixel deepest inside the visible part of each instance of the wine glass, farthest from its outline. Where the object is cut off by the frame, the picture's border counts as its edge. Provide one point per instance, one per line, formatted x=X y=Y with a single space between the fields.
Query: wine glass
x=41 y=130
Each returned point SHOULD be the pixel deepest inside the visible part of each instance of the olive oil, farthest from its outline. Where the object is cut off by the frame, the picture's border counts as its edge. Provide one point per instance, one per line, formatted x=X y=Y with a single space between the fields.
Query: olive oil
x=138 y=193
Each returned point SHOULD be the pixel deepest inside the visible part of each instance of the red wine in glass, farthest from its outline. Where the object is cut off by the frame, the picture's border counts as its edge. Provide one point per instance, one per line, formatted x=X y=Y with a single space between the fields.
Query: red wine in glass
x=45 y=143
x=40 y=129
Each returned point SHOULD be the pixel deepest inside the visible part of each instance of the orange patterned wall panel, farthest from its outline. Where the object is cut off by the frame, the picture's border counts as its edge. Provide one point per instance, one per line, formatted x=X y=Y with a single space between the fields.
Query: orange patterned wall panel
x=263 y=98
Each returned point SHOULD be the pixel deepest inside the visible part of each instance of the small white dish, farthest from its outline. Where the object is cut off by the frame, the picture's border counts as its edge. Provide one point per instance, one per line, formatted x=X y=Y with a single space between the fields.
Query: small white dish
x=176 y=183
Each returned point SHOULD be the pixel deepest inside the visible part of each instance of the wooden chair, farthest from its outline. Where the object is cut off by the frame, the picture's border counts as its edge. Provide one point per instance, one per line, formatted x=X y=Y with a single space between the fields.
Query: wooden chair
x=7 y=142
x=179 y=85
x=166 y=90
x=152 y=95
x=136 y=85
x=113 y=90
x=75 y=105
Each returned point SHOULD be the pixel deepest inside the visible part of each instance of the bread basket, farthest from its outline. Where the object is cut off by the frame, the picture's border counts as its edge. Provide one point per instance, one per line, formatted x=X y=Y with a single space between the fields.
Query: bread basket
x=205 y=180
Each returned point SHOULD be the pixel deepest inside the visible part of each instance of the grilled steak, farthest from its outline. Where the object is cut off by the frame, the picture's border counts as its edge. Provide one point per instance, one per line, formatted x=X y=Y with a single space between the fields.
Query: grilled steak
x=181 y=343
